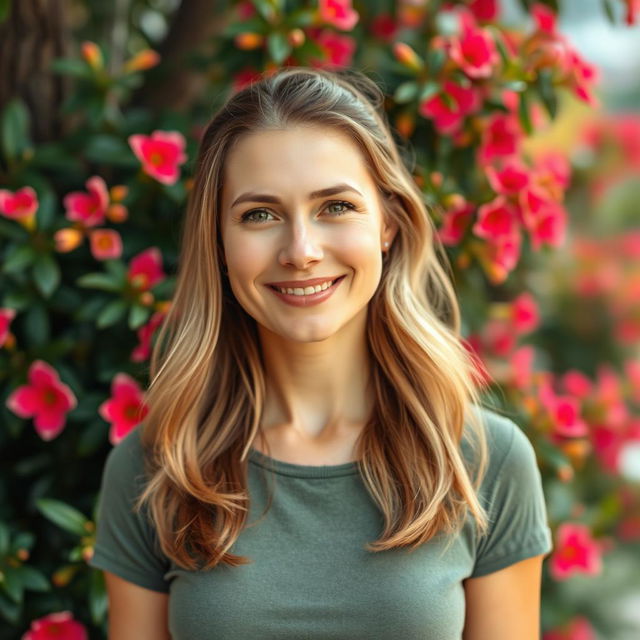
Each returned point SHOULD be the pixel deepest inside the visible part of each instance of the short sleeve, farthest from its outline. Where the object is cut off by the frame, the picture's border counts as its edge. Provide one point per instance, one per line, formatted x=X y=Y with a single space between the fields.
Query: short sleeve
x=125 y=541
x=514 y=501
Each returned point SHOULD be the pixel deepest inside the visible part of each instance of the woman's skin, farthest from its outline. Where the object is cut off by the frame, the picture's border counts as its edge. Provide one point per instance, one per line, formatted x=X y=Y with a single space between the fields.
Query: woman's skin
x=316 y=360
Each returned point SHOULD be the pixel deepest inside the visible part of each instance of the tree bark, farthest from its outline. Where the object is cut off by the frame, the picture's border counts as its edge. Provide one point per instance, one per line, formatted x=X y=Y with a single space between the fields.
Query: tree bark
x=174 y=85
x=35 y=33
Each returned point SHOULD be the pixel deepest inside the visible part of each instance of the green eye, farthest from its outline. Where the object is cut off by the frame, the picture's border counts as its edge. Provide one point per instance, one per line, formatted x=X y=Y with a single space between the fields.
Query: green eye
x=249 y=215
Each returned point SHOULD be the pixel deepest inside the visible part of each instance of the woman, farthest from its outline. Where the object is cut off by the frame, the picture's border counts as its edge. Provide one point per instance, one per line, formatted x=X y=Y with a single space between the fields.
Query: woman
x=317 y=463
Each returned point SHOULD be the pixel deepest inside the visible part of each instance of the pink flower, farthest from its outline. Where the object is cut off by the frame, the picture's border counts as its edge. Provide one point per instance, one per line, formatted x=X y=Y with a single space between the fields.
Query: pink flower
x=500 y=256
x=145 y=334
x=545 y=220
x=499 y=337
x=575 y=383
x=583 y=77
x=160 y=154
x=501 y=138
x=56 y=626
x=145 y=269
x=244 y=78
x=449 y=114
x=485 y=10
x=455 y=223
x=6 y=316
x=575 y=552
x=496 y=219
x=633 y=7
x=384 y=27
x=21 y=204
x=521 y=362
x=551 y=175
x=338 y=49
x=338 y=13
x=125 y=408
x=88 y=208
x=474 y=50
x=106 y=244
x=45 y=398
x=565 y=415
x=511 y=179
x=578 y=629
x=524 y=313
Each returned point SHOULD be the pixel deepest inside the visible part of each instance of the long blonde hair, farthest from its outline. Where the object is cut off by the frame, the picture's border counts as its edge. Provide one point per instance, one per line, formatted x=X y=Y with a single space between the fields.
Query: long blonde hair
x=207 y=387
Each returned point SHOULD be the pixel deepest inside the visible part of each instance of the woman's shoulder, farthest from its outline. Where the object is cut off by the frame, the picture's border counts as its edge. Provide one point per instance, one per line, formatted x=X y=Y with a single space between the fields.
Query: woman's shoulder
x=507 y=443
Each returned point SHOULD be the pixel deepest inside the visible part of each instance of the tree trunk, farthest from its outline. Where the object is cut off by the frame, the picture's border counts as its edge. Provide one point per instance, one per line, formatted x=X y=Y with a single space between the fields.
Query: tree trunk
x=34 y=34
x=175 y=84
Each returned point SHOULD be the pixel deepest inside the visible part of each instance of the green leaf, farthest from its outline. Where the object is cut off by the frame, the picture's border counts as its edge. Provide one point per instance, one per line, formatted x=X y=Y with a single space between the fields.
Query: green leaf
x=428 y=90
x=117 y=269
x=278 y=46
x=265 y=9
x=64 y=515
x=523 y=113
x=4 y=539
x=46 y=274
x=98 y=601
x=71 y=67
x=109 y=149
x=13 y=230
x=46 y=210
x=12 y=584
x=5 y=9
x=406 y=92
x=515 y=85
x=300 y=18
x=15 y=129
x=36 y=324
x=435 y=60
x=22 y=540
x=102 y=281
x=111 y=313
x=609 y=11
x=33 y=580
x=18 y=258
x=252 y=25
x=138 y=315
x=547 y=93
x=9 y=610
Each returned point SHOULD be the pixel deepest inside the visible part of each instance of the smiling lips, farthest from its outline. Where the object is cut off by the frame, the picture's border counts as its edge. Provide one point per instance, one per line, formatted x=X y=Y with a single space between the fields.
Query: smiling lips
x=311 y=294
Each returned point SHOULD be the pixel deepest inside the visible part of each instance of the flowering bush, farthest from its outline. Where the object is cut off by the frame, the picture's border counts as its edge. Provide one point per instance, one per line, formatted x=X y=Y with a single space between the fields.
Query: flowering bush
x=78 y=319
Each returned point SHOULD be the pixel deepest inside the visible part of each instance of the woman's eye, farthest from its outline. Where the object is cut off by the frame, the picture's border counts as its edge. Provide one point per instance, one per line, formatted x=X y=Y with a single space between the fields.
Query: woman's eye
x=252 y=216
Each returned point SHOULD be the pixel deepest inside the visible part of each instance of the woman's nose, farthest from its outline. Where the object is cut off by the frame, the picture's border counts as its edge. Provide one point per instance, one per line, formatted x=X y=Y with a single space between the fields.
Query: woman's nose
x=302 y=245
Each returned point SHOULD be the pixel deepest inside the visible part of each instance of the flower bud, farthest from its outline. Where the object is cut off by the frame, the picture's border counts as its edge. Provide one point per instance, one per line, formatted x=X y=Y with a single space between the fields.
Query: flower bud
x=406 y=56
x=247 y=41
x=146 y=59
x=92 y=54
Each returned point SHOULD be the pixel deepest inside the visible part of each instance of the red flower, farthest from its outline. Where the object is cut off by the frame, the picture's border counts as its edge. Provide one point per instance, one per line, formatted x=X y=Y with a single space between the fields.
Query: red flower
x=500 y=138
x=125 y=408
x=455 y=222
x=575 y=552
x=244 y=78
x=338 y=13
x=496 y=219
x=578 y=629
x=56 y=626
x=160 y=154
x=338 y=49
x=633 y=6
x=524 y=313
x=6 y=316
x=88 y=208
x=521 y=362
x=145 y=269
x=474 y=50
x=21 y=204
x=106 y=244
x=449 y=114
x=384 y=27
x=45 y=398
x=485 y=10
x=145 y=334
x=510 y=179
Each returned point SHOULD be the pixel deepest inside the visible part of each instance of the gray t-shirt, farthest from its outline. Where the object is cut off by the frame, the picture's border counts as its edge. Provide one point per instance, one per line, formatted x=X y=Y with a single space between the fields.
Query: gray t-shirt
x=311 y=577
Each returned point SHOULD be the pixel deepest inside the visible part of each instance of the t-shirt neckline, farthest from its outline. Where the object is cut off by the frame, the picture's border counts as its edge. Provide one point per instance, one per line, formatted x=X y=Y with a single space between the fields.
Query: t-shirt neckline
x=302 y=470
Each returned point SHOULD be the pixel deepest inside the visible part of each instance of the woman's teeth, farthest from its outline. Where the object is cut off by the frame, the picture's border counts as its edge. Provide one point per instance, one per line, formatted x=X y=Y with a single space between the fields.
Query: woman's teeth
x=307 y=290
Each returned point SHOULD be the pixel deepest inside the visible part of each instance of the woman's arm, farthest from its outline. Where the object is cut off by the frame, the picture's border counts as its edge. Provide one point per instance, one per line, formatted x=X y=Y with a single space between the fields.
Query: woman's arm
x=136 y=613
x=505 y=604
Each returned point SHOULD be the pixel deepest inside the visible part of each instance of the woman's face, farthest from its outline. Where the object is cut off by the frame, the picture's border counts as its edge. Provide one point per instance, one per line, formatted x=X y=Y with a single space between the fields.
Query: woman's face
x=277 y=227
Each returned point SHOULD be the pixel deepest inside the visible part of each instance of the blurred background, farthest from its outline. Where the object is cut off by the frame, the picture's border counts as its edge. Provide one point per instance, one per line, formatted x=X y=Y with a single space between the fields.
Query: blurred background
x=520 y=122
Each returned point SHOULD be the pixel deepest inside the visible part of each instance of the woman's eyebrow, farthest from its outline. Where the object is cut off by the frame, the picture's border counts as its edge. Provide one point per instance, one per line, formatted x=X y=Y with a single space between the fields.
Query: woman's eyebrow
x=320 y=193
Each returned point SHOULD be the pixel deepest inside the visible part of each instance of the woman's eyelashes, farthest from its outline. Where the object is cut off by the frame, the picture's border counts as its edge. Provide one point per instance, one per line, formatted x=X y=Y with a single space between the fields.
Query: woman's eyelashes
x=247 y=217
